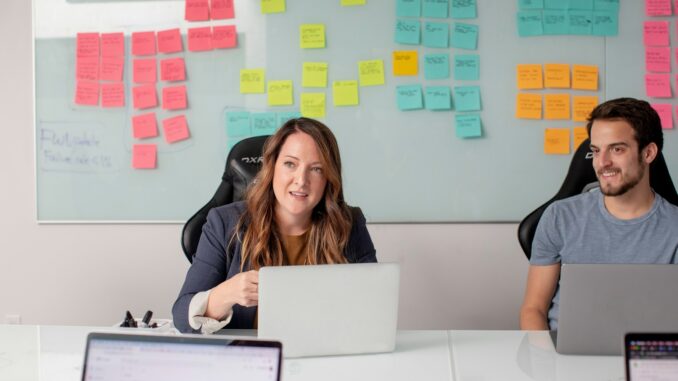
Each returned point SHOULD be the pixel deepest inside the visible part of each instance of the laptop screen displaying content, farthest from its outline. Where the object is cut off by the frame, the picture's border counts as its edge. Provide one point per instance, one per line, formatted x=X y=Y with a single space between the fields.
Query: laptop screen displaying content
x=651 y=357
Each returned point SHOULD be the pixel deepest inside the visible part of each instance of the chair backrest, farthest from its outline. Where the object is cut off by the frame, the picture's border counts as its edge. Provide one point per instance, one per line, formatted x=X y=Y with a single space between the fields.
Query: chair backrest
x=579 y=175
x=242 y=165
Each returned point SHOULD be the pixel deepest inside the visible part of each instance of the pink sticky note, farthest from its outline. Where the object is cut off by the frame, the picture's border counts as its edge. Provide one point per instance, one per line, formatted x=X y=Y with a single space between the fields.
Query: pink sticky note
x=112 y=44
x=658 y=85
x=656 y=33
x=87 y=68
x=222 y=9
x=172 y=69
x=658 y=60
x=144 y=96
x=112 y=95
x=658 y=7
x=197 y=10
x=224 y=37
x=174 y=97
x=200 y=39
x=175 y=129
x=665 y=114
x=143 y=43
x=144 y=126
x=169 y=41
x=87 y=45
x=87 y=93
x=144 y=156
x=111 y=68
x=145 y=70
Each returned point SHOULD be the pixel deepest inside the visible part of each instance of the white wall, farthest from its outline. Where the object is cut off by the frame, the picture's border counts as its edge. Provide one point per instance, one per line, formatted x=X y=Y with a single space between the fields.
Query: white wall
x=464 y=276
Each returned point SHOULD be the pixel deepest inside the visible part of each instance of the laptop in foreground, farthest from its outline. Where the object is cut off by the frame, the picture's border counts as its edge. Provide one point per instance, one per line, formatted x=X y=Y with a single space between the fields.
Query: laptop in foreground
x=651 y=356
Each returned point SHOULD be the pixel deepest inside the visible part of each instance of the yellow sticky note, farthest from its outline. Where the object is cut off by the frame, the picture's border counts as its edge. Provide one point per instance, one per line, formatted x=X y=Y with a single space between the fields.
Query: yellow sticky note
x=528 y=106
x=345 y=93
x=280 y=93
x=405 y=62
x=346 y=3
x=371 y=72
x=272 y=6
x=557 y=76
x=312 y=36
x=313 y=105
x=582 y=106
x=585 y=77
x=557 y=106
x=252 y=81
x=529 y=76
x=314 y=74
x=579 y=134
x=557 y=141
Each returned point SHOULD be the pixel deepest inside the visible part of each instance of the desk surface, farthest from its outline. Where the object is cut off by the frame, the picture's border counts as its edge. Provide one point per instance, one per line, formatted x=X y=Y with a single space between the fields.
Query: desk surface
x=55 y=353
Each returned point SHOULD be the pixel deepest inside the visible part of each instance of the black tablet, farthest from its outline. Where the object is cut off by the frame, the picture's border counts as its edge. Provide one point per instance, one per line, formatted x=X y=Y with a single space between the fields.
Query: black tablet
x=651 y=356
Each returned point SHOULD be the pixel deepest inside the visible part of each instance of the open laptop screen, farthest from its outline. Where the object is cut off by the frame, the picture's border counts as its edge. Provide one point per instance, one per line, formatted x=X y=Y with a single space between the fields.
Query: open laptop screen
x=651 y=357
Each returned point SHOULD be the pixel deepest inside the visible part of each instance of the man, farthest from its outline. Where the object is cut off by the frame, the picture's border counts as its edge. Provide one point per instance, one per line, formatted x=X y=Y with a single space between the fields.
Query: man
x=624 y=221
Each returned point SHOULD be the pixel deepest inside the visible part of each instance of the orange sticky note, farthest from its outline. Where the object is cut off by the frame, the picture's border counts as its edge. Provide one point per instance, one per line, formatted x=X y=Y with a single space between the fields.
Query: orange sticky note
x=87 y=45
x=200 y=39
x=529 y=76
x=582 y=107
x=579 y=134
x=169 y=41
x=585 y=77
x=111 y=68
x=172 y=69
x=222 y=9
x=528 y=106
x=197 y=10
x=405 y=62
x=144 y=156
x=112 y=95
x=557 y=141
x=224 y=37
x=556 y=106
x=87 y=68
x=144 y=126
x=174 y=98
x=143 y=43
x=144 y=96
x=145 y=70
x=112 y=44
x=87 y=93
x=175 y=129
x=557 y=76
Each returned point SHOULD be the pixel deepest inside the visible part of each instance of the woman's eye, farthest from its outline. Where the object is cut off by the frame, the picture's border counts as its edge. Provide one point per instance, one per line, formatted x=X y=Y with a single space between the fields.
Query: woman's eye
x=289 y=164
x=317 y=170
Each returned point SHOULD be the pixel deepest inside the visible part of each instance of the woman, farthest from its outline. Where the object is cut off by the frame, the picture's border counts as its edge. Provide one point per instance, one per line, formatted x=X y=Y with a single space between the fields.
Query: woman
x=294 y=214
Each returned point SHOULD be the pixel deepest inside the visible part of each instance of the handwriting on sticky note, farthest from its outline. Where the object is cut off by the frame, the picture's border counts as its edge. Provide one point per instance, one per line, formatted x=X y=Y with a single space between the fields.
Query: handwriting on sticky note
x=112 y=95
x=465 y=36
x=200 y=39
x=144 y=156
x=312 y=36
x=467 y=98
x=345 y=93
x=264 y=123
x=405 y=63
x=579 y=134
x=313 y=105
x=409 y=97
x=529 y=76
x=87 y=45
x=144 y=126
x=582 y=107
x=556 y=106
x=407 y=32
x=371 y=73
x=222 y=9
x=528 y=106
x=112 y=44
x=197 y=10
x=252 y=81
x=272 y=6
x=173 y=69
x=467 y=67
x=174 y=97
x=437 y=66
x=557 y=76
x=657 y=59
x=656 y=33
x=169 y=41
x=87 y=68
x=438 y=98
x=145 y=70
x=143 y=43
x=224 y=37
x=658 y=7
x=585 y=77
x=436 y=35
x=111 y=68
x=87 y=93
x=238 y=123
x=557 y=141
x=280 y=93
x=314 y=74
x=530 y=23
x=175 y=129
x=144 y=96
x=665 y=114
x=658 y=85
x=467 y=126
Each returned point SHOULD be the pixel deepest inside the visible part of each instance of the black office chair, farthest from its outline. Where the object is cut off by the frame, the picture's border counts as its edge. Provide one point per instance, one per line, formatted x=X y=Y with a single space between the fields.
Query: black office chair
x=242 y=165
x=580 y=178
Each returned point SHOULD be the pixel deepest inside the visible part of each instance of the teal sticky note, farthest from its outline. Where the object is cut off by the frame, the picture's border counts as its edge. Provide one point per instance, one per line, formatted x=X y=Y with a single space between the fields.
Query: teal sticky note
x=287 y=115
x=409 y=97
x=264 y=123
x=407 y=32
x=408 y=8
x=435 y=8
x=606 y=5
x=436 y=34
x=437 y=66
x=438 y=98
x=231 y=141
x=468 y=126
x=238 y=123
x=605 y=23
x=530 y=4
x=586 y=5
x=465 y=36
x=467 y=98
x=580 y=22
x=463 y=9
x=556 y=4
x=467 y=67
x=530 y=23
x=556 y=23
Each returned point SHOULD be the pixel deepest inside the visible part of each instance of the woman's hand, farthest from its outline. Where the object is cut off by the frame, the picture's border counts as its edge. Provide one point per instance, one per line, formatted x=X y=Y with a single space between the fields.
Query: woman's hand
x=242 y=289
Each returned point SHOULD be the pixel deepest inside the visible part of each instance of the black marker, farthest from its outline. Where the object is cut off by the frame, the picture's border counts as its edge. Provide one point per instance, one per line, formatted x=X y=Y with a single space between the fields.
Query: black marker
x=147 y=318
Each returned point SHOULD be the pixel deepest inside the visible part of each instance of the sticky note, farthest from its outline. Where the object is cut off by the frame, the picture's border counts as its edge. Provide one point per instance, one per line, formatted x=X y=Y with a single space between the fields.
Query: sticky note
x=665 y=114
x=144 y=156
x=408 y=8
x=529 y=76
x=658 y=7
x=285 y=116
x=556 y=4
x=145 y=70
x=252 y=81
x=529 y=23
x=610 y=5
x=437 y=66
x=313 y=105
x=175 y=129
x=238 y=123
x=144 y=96
x=580 y=4
x=197 y=10
x=112 y=44
x=312 y=36
x=224 y=37
x=112 y=95
x=467 y=67
x=345 y=93
x=200 y=39
x=528 y=106
x=579 y=134
x=463 y=9
x=280 y=93
x=111 y=68
x=658 y=60
x=605 y=23
x=87 y=68
x=264 y=123
x=556 y=106
x=407 y=32
x=467 y=98
x=435 y=8
x=409 y=97
x=530 y=4
x=585 y=77
x=557 y=141
x=582 y=107
x=656 y=33
x=87 y=93
x=405 y=63
x=465 y=36
x=173 y=69
x=348 y=3
x=555 y=23
x=314 y=74
x=467 y=126
x=169 y=41
x=556 y=76
x=438 y=98
x=87 y=45
x=371 y=72
x=272 y=6
x=580 y=22
x=222 y=9
x=658 y=85
x=436 y=35
x=144 y=126
x=143 y=43
x=174 y=97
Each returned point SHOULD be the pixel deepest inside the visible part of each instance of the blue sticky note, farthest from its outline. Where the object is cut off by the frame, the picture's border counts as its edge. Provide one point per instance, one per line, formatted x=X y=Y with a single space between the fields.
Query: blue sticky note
x=407 y=32
x=556 y=4
x=436 y=34
x=530 y=23
x=437 y=66
x=283 y=117
x=556 y=23
x=467 y=67
x=580 y=22
x=467 y=98
x=530 y=4
x=408 y=8
x=606 y=5
x=438 y=98
x=605 y=23
x=463 y=9
x=238 y=123
x=233 y=141
x=468 y=126
x=465 y=36
x=581 y=4
x=264 y=123
x=409 y=97
x=435 y=8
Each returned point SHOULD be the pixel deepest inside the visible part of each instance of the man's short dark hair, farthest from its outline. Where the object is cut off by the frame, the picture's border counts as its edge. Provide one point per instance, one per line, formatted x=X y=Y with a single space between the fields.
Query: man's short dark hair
x=638 y=113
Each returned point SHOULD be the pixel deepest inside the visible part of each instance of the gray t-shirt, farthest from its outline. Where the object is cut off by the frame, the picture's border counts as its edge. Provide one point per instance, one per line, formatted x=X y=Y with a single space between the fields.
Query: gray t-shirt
x=579 y=229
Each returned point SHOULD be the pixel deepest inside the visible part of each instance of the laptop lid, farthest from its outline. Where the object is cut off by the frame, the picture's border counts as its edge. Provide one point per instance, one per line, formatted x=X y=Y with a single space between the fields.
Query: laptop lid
x=651 y=356
x=600 y=303
x=119 y=356
x=330 y=309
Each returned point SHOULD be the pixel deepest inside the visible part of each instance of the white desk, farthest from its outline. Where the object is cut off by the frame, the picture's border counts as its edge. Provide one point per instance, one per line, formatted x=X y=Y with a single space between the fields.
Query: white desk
x=55 y=353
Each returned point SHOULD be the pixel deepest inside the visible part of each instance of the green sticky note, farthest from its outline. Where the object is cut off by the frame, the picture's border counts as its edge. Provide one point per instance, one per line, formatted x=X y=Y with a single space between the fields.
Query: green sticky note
x=409 y=97
x=463 y=9
x=314 y=74
x=435 y=8
x=438 y=98
x=581 y=4
x=436 y=34
x=264 y=123
x=231 y=141
x=467 y=98
x=345 y=93
x=407 y=32
x=272 y=6
x=312 y=36
x=465 y=36
x=530 y=4
x=605 y=23
x=555 y=23
x=284 y=116
x=529 y=23
x=238 y=123
x=606 y=5
x=280 y=93
x=468 y=126
x=408 y=8
x=252 y=81
x=437 y=66
x=580 y=22
x=556 y=4
x=467 y=67
x=371 y=72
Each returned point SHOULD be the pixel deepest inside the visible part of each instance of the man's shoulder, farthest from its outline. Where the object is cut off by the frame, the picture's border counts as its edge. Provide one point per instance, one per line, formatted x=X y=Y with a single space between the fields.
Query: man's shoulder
x=668 y=208
x=576 y=204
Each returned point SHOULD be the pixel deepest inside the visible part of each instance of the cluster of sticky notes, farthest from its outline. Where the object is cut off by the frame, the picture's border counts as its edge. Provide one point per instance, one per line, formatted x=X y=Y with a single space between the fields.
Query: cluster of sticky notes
x=567 y=17
x=557 y=140
x=203 y=10
x=99 y=58
x=438 y=98
x=557 y=76
x=207 y=38
x=436 y=34
x=554 y=106
x=243 y=124
x=657 y=56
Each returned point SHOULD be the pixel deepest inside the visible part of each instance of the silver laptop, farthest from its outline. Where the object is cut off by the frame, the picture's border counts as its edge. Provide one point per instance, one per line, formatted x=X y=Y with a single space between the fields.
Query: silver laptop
x=330 y=309
x=600 y=303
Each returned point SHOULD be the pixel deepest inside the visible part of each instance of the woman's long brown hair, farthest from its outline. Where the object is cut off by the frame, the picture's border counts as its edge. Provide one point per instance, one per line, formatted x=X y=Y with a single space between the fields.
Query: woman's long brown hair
x=330 y=220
